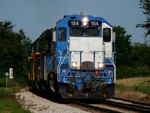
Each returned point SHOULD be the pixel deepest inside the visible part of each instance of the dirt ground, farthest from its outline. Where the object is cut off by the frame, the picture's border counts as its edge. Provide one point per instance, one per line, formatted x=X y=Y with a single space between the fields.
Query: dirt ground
x=137 y=96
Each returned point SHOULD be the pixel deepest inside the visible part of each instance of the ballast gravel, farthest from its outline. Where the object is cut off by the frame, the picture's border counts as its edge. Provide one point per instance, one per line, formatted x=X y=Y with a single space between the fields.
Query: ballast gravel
x=38 y=104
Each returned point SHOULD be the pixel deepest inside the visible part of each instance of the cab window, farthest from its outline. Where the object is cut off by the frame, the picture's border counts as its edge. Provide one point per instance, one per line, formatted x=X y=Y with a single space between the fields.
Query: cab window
x=92 y=32
x=106 y=34
x=62 y=34
x=76 y=31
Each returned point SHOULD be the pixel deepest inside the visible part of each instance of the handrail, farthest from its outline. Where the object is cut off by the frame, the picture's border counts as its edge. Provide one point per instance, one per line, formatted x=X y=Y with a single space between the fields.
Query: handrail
x=113 y=63
x=60 y=63
x=94 y=52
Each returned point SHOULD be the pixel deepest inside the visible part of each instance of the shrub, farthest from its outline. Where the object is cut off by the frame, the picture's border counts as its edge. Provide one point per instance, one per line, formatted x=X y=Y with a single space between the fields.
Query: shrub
x=126 y=72
x=2 y=81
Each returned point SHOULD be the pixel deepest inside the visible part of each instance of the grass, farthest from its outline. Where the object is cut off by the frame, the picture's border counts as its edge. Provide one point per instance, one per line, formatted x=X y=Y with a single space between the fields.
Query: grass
x=11 y=106
x=6 y=93
x=8 y=102
x=143 y=87
x=139 y=84
x=137 y=88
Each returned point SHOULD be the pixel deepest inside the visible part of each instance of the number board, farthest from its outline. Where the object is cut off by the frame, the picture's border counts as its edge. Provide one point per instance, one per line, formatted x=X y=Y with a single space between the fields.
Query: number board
x=94 y=23
x=74 y=23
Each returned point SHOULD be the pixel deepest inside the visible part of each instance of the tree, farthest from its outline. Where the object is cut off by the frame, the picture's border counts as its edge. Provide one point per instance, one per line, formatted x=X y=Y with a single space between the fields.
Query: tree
x=5 y=46
x=141 y=53
x=123 y=46
x=13 y=49
x=145 y=5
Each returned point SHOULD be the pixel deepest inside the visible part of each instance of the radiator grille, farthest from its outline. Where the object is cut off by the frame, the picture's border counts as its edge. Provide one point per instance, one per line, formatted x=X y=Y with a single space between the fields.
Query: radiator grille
x=87 y=65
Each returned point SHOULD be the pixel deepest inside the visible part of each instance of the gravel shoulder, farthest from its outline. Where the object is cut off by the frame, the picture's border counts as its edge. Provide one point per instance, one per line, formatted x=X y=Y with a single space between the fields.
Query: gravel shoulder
x=38 y=104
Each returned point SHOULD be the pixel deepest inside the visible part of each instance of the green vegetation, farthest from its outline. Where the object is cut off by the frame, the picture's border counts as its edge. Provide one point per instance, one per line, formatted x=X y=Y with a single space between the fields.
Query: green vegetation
x=132 y=59
x=11 y=106
x=8 y=102
x=12 y=86
x=6 y=93
x=131 y=84
x=134 y=71
x=144 y=88
x=14 y=54
x=14 y=51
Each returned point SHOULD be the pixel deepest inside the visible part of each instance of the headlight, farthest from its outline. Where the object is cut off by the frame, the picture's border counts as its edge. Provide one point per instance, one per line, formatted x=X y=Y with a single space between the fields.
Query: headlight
x=85 y=21
x=101 y=65
x=74 y=64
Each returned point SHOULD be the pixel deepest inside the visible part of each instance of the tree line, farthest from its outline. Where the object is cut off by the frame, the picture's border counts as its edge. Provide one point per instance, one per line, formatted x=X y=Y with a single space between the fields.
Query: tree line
x=13 y=50
x=132 y=59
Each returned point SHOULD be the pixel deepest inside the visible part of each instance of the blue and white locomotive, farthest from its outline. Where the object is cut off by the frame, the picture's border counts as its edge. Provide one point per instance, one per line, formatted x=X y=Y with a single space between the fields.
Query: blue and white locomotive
x=76 y=59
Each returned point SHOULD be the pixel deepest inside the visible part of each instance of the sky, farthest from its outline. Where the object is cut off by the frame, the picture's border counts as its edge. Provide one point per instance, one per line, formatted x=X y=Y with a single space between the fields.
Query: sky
x=35 y=16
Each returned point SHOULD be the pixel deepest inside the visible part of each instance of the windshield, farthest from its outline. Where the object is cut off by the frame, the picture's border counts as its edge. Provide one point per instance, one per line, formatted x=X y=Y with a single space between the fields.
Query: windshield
x=88 y=32
x=77 y=31
x=92 y=32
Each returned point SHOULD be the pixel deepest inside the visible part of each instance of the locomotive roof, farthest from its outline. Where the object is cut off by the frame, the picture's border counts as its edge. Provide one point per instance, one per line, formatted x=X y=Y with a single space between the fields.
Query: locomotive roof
x=79 y=17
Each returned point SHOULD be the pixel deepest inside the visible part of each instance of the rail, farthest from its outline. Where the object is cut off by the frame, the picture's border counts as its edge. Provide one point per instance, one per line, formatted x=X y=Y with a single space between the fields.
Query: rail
x=130 y=106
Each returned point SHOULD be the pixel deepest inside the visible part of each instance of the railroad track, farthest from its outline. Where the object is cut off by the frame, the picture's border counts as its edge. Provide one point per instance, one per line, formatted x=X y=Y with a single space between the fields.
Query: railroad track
x=132 y=101
x=129 y=104
x=93 y=108
x=117 y=105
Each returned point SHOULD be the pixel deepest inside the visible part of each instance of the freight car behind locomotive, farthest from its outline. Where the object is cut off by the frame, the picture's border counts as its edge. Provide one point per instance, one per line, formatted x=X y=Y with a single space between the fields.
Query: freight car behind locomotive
x=75 y=59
